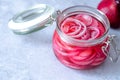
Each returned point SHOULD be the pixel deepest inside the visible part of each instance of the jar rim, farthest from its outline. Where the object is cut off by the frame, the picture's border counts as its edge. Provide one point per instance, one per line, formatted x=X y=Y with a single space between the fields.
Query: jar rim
x=93 y=11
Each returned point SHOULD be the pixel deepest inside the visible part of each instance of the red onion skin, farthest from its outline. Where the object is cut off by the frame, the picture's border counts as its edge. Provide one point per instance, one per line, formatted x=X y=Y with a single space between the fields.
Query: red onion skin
x=111 y=9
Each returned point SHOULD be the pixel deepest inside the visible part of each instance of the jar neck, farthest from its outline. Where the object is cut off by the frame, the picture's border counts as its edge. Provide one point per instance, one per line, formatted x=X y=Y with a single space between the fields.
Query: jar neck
x=86 y=10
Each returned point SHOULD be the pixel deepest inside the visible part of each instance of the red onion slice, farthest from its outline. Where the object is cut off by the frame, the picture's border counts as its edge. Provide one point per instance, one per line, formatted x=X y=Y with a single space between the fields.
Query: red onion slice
x=68 y=23
x=86 y=19
x=85 y=61
x=98 y=61
x=64 y=46
x=83 y=55
x=79 y=27
x=94 y=23
x=86 y=36
x=81 y=32
x=64 y=52
x=94 y=32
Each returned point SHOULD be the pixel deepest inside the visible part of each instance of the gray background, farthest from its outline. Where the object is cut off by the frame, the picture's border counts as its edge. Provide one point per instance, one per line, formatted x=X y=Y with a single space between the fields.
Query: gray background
x=30 y=57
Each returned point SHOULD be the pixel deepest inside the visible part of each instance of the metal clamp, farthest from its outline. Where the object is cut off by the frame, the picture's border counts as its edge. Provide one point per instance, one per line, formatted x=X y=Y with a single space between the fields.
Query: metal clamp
x=113 y=53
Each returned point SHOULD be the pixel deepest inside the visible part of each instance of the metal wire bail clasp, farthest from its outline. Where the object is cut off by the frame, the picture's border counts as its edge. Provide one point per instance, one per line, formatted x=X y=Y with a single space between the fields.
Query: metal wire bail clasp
x=113 y=52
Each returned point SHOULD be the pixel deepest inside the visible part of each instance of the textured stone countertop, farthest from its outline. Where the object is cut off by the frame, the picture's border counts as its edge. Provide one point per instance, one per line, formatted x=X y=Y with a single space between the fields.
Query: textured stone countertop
x=30 y=57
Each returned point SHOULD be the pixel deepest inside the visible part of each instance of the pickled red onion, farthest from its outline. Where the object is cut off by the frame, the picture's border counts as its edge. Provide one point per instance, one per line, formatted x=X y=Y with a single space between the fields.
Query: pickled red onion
x=65 y=26
x=86 y=19
x=86 y=36
x=64 y=50
x=94 y=23
x=98 y=61
x=65 y=46
x=83 y=55
x=82 y=60
x=94 y=32
x=81 y=32
x=79 y=27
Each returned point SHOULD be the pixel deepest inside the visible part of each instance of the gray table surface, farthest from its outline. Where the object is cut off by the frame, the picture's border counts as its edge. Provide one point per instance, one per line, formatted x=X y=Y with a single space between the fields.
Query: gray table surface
x=30 y=57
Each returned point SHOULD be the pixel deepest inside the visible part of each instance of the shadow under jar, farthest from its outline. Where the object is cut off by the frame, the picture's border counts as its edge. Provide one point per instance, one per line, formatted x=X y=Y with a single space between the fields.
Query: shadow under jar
x=80 y=37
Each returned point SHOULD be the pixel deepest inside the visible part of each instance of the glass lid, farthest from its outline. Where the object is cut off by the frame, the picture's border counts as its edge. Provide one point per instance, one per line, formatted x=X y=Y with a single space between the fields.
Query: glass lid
x=32 y=19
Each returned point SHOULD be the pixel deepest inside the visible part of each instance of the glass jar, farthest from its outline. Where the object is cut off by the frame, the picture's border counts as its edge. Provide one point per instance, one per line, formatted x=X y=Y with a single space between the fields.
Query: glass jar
x=77 y=53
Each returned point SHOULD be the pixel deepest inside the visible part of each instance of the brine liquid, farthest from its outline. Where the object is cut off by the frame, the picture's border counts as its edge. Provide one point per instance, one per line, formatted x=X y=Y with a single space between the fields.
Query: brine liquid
x=80 y=27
